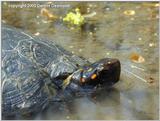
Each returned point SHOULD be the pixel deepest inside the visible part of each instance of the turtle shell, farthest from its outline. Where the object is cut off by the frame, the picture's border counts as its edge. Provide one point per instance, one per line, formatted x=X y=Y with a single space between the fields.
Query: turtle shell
x=29 y=63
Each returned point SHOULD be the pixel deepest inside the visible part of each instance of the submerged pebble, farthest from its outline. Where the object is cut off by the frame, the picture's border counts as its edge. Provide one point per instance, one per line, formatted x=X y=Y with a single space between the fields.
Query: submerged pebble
x=129 y=12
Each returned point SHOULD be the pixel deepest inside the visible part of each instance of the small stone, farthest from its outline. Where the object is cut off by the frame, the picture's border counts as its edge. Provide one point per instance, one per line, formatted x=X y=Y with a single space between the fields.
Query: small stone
x=80 y=50
x=67 y=117
x=71 y=46
x=88 y=10
x=139 y=38
x=109 y=62
x=72 y=28
x=95 y=28
x=44 y=21
x=3 y=21
x=129 y=12
x=151 y=44
x=157 y=5
x=90 y=5
x=37 y=34
x=107 y=53
x=155 y=34
x=72 y=52
x=4 y=3
x=90 y=33
x=157 y=16
x=60 y=17
x=107 y=9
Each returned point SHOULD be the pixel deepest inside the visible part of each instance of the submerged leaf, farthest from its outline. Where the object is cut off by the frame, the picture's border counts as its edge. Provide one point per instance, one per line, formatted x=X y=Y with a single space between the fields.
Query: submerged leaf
x=137 y=58
x=47 y=14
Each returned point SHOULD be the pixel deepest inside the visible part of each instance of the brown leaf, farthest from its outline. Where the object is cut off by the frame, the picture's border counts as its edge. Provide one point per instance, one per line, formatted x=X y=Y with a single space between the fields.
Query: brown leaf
x=47 y=14
x=135 y=57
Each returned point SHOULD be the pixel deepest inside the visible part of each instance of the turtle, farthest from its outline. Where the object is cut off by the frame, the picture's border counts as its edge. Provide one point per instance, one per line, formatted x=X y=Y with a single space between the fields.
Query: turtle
x=36 y=70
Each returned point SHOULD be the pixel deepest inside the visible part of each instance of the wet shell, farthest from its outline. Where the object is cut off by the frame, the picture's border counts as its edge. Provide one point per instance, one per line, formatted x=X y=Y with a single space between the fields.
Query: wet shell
x=28 y=64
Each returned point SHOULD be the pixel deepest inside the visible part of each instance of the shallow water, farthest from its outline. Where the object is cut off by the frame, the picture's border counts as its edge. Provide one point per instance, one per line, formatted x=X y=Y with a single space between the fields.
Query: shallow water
x=109 y=33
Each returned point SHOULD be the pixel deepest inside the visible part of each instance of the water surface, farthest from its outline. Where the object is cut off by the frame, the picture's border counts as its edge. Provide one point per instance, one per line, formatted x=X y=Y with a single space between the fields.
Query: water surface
x=109 y=33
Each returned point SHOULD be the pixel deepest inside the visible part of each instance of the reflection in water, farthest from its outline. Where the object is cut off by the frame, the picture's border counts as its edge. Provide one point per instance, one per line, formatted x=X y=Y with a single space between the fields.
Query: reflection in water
x=95 y=107
x=109 y=33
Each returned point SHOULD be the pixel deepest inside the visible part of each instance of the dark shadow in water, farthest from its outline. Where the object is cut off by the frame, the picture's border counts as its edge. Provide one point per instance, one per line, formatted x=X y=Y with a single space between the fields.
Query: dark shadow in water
x=98 y=98
x=60 y=110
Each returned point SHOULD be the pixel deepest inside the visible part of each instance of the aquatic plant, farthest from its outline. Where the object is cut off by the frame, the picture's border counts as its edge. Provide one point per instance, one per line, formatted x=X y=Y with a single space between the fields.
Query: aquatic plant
x=74 y=18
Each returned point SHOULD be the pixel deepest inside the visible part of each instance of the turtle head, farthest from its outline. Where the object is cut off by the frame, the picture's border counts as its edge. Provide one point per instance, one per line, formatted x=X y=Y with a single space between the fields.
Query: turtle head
x=105 y=72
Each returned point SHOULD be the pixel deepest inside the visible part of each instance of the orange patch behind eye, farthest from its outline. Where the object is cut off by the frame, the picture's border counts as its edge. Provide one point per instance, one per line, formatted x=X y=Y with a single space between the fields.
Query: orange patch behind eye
x=93 y=76
x=82 y=80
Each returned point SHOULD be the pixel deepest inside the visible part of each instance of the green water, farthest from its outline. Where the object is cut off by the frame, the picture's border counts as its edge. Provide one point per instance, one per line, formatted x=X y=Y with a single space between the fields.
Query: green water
x=108 y=33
